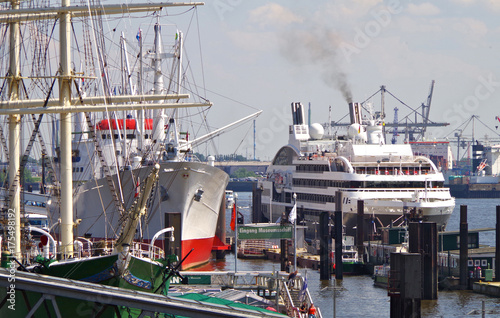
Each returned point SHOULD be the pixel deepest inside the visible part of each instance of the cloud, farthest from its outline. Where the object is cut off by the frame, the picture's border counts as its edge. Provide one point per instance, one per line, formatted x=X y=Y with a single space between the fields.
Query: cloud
x=470 y=27
x=491 y=4
x=273 y=14
x=423 y=9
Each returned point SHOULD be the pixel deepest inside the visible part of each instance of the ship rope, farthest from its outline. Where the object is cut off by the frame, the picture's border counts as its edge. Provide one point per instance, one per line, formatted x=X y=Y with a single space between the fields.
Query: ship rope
x=106 y=170
x=35 y=133
x=4 y=144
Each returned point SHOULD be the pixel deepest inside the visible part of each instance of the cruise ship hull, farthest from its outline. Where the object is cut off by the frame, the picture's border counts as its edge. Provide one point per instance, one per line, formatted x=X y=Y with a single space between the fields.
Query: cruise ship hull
x=394 y=188
x=188 y=197
x=377 y=213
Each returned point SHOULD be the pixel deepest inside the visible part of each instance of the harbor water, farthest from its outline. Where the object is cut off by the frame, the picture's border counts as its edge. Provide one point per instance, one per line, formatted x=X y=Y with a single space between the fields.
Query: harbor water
x=356 y=296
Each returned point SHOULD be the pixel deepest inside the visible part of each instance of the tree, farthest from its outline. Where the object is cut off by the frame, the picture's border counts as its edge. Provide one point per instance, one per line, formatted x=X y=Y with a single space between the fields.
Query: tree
x=243 y=173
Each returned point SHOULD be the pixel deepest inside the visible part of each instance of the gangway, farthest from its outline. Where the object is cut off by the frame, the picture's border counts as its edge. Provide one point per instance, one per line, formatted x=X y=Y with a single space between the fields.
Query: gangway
x=291 y=298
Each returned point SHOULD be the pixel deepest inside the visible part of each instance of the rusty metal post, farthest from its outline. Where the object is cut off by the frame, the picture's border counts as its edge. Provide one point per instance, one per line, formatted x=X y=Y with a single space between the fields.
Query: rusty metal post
x=339 y=273
x=464 y=242
x=324 y=246
x=497 y=246
x=360 y=229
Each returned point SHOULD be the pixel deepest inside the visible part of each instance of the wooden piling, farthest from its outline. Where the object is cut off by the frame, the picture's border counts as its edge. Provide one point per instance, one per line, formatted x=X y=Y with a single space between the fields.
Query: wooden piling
x=220 y=230
x=324 y=246
x=423 y=240
x=257 y=216
x=339 y=272
x=404 y=285
x=464 y=229
x=497 y=246
x=360 y=228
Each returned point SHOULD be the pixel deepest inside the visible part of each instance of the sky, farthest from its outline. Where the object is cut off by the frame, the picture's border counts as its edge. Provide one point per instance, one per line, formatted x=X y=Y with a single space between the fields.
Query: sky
x=264 y=55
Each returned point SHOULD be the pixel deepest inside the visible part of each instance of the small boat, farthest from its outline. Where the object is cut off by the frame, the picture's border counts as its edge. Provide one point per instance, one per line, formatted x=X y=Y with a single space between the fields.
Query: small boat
x=254 y=248
x=351 y=263
x=381 y=275
x=229 y=199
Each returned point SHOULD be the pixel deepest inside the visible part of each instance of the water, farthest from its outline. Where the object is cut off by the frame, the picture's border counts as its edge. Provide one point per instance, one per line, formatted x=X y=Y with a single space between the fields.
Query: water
x=356 y=296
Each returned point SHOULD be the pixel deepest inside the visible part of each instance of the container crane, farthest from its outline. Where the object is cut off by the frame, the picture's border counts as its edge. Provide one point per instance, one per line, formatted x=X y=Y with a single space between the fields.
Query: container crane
x=425 y=110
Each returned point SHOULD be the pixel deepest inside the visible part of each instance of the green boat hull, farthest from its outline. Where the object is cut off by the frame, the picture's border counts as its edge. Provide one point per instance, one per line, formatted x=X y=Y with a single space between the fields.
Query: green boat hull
x=142 y=274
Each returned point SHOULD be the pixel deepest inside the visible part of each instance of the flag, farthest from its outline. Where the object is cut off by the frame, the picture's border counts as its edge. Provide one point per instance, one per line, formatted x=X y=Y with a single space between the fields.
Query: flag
x=137 y=188
x=302 y=293
x=139 y=35
x=293 y=214
x=233 y=218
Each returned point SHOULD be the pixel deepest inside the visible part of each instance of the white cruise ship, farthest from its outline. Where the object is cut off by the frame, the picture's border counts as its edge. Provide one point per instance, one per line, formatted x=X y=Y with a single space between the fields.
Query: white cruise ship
x=394 y=184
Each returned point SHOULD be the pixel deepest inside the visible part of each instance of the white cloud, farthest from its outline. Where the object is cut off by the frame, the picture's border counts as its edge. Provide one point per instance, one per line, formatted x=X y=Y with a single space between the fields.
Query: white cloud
x=465 y=2
x=491 y=4
x=470 y=27
x=423 y=9
x=273 y=14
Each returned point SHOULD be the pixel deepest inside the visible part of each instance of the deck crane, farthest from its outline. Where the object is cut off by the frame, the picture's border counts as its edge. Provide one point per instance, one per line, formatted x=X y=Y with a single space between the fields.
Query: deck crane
x=425 y=110
x=395 y=130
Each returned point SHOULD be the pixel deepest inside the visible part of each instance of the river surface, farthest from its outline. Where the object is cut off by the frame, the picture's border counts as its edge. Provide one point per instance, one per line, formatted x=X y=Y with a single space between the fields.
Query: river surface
x=356 y=296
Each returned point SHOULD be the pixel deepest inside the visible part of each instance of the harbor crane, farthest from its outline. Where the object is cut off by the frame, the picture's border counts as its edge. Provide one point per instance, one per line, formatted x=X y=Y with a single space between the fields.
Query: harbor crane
x=413 y=126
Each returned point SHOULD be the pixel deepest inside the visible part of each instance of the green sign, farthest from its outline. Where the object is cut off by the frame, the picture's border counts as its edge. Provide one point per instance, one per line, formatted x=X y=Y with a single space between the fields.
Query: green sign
x=264 y=232
x=192 y=280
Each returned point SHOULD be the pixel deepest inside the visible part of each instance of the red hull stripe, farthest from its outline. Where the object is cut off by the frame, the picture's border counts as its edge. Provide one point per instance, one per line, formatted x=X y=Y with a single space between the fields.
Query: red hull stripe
x=201 y=253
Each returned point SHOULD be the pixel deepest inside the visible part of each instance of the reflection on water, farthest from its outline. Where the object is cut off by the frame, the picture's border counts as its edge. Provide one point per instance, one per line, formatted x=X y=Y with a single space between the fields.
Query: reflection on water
x=355 y=296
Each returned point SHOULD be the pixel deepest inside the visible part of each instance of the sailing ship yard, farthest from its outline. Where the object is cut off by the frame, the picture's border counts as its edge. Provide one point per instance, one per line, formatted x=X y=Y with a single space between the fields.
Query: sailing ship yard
x=117 y=201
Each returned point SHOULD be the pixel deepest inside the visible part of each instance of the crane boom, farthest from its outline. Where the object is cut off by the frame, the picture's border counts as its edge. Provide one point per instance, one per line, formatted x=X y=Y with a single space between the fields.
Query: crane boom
x=426 y=109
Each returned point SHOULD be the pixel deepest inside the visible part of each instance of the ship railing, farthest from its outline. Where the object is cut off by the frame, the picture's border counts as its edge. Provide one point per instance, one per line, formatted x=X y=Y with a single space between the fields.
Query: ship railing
x=292 y=308
x=254 y=247
x=393 y=170
x=401 y=190
x=140 y=249
x=137 y=249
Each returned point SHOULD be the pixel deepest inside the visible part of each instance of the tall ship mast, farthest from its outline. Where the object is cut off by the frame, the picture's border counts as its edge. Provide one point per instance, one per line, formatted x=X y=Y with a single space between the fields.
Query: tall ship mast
x=118 y=139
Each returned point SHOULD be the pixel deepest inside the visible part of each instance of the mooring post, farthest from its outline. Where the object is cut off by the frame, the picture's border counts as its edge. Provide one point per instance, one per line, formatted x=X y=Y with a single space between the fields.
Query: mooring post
x=464 y=242
x=360 y=229
x=339 y=273
x=423 y=240
x=220 y=230
x=257 y=216
x=324 y=246
x=497 y=246
x=404 y=285
x=429 y=261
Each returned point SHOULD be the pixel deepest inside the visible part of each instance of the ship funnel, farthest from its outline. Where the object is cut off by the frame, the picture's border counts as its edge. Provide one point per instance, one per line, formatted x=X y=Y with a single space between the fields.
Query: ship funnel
x=297 y=113
x=355 y=113
x=299 y=131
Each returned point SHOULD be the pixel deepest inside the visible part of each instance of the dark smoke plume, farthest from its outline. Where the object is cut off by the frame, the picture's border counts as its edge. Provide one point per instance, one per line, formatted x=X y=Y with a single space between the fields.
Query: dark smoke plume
x=320 y=48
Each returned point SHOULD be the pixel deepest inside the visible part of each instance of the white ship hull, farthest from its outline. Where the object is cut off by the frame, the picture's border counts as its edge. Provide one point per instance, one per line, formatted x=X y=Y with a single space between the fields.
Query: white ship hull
x=175 y=204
